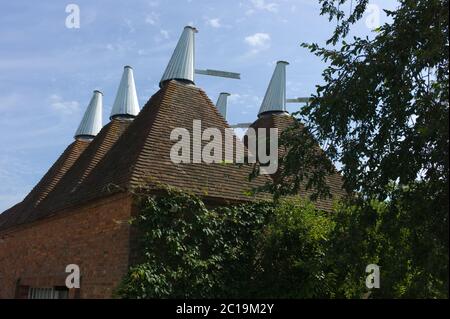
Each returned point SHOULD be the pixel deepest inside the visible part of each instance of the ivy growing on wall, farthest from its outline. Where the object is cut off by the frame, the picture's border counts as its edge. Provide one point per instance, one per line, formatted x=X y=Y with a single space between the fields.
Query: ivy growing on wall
x=260 y=249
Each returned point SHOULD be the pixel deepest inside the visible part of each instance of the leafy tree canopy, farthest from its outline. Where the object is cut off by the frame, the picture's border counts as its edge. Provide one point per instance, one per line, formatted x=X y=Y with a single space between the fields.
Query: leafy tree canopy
x=383 y=110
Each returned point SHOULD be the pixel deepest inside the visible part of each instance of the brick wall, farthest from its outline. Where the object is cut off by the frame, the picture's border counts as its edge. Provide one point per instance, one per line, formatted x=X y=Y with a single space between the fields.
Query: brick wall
x=95 y=236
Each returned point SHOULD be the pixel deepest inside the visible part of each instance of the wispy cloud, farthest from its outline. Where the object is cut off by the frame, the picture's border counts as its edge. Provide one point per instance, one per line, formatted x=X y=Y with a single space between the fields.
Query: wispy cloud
x=247 y=100
x=258 y=39
x=65 y=107
x=164 y=33
x=152 y=18
x=258 y=42
x=262 y=5
x=162 y=36
x=129 y=25
x=214 y=22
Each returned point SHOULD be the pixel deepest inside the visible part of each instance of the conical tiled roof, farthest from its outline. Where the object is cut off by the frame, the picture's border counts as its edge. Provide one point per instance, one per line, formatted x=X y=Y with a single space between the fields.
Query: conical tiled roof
x=141 y=156
x=134 y=153
x=276 y=120
x=282 y=121
x=67 y=183
x=70 y=185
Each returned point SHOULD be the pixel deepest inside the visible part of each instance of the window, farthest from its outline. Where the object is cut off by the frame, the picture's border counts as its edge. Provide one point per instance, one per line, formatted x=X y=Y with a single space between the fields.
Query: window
x=48 y=293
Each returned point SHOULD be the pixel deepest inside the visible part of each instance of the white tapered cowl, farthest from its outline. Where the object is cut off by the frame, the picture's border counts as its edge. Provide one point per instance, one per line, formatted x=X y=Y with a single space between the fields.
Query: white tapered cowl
x=126 y=103
x=91 y=123
x=275 y=98
x=181 y=64
x=222 y=104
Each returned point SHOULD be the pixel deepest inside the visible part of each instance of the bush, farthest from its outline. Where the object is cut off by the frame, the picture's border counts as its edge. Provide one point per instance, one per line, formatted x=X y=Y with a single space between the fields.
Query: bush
x=406 y=237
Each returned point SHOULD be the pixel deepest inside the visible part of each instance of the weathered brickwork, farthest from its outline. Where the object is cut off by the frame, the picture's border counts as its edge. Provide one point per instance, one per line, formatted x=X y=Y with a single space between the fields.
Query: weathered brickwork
x=95 y=236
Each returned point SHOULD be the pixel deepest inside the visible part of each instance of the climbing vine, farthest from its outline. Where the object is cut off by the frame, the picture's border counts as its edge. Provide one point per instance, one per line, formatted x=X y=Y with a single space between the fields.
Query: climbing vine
x=190 y=250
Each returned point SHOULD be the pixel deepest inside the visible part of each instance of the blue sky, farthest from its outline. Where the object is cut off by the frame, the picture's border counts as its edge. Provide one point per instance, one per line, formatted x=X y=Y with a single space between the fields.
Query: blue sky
x=48 y=71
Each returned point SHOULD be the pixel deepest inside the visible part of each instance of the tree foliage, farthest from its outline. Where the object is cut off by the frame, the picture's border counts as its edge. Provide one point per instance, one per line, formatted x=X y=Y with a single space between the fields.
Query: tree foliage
x=284 y=250
x=398 y=237
x=293 y=254
x=382 y=114
x=383 y=110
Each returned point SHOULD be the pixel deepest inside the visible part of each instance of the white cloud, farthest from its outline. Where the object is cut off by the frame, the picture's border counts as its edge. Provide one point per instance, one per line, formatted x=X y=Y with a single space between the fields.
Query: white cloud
x=249 y=12
x=215 y=22
x=248 y=100
x=162 y=36
x=262 y=5
x=121 y=47
x=65 y=107
x=258 y=39
x=258 y=42
x=234 y=97
x=152 y=18
x=129 y=24
x=116 y=47
x=164 y=33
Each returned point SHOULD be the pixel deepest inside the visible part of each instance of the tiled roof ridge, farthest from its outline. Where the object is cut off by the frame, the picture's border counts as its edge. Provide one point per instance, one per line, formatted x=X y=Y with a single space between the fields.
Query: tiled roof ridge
x=73 y=180
x=59 y=169
x=102 y=167
x=163 y=94
x=127 y=135
x=139 y=152
x=145 y=151
x=203 y=93
x=48 y=182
